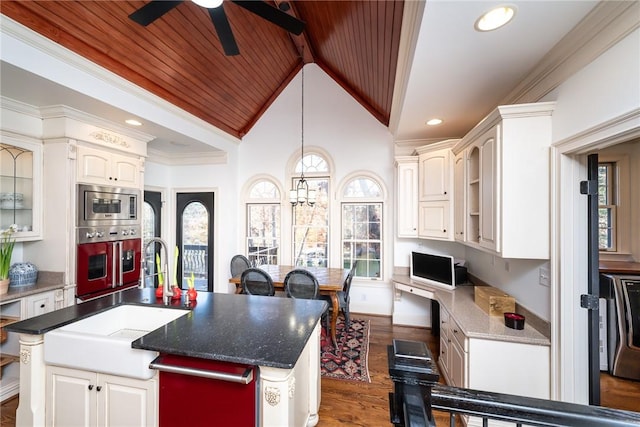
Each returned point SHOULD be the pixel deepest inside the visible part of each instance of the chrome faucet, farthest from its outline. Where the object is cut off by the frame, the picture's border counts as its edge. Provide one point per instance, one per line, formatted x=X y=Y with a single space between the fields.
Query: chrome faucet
x=167 y=293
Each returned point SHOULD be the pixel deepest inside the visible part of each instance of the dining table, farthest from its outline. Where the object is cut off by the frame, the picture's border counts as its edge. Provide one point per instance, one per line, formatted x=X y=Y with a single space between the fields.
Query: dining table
x=330 y=281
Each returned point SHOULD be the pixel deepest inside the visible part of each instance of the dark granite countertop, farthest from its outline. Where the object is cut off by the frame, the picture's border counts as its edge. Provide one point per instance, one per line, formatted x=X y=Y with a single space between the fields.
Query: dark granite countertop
x=253 y=330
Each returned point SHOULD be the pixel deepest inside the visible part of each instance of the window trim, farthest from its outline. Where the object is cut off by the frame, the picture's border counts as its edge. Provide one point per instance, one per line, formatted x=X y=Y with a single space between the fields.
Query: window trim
x=622 y=198
x=343 y=200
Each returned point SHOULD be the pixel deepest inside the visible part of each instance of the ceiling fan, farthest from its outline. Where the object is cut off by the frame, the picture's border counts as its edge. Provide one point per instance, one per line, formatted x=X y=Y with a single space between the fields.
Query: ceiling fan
x=156 y=8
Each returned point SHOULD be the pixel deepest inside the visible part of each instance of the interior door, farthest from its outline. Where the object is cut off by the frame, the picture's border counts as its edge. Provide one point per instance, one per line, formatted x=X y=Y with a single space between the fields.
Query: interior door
x=194 y=238
x=151 y=227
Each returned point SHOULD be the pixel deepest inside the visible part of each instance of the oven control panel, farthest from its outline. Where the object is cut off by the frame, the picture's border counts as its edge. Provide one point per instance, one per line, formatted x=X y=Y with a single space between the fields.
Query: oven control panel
x=107 y=234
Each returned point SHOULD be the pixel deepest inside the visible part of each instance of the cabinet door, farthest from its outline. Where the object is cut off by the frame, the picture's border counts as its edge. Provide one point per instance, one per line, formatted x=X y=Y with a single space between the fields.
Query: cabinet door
x=434 y=172
x=35 y=305
x=488 y=167
x=457 y=365
x=127 y=401
x=94 y=166
x=70 y=397
x=459 y=209
x=125 y=171
x=407 y=197
x=21 y=185
x=434 y=220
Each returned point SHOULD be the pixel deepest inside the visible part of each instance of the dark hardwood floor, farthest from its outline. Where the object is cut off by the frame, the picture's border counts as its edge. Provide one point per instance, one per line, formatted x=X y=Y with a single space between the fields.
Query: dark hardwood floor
x=355 y=404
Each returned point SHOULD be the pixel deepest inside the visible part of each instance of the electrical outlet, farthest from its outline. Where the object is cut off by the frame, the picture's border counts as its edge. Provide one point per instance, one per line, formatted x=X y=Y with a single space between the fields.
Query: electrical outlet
x=544 y=276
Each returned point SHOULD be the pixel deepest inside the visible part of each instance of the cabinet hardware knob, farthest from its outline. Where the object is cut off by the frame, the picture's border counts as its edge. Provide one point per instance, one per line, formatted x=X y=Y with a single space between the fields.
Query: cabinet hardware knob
x=445 y=192
x=444 y=231
x=455 y=331
x=448 y=340
x=99 y=388
x=42 y=305
x=90 y=386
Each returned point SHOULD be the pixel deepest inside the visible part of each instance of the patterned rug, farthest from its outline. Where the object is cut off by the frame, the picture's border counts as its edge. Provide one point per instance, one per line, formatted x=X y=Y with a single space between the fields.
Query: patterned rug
x=349 y=360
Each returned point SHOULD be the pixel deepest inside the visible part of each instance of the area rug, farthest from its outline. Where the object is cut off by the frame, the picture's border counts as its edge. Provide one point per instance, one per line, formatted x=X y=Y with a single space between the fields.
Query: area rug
x=349 y=360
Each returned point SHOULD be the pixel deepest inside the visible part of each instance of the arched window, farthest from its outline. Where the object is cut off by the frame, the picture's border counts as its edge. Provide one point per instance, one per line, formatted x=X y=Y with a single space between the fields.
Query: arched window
x=311 y=223
x=263 y=222
x=362 y=220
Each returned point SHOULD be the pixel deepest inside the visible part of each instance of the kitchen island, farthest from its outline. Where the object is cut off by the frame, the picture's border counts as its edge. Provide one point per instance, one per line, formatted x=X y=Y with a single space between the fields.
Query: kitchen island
x=278 y=336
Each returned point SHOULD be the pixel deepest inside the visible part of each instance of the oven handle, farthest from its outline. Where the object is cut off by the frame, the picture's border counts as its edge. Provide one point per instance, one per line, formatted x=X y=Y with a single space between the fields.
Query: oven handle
x=120 y=263
x=114 y=266
x=245 y=378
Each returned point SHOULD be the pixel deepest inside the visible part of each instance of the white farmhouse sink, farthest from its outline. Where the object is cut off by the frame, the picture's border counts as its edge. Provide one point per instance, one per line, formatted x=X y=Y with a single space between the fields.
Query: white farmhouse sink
x=102 y=343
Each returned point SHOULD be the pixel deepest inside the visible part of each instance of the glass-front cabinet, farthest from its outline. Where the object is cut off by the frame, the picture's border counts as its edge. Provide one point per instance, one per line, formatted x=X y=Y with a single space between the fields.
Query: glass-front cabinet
x=21 y=185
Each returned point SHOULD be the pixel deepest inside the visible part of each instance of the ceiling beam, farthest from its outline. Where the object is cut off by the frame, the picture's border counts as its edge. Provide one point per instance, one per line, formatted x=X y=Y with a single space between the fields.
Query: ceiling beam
x=301 y=42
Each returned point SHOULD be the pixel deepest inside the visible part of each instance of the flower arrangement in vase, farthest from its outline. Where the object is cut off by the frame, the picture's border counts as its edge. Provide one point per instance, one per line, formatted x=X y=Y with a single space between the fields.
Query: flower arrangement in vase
x=6 y=250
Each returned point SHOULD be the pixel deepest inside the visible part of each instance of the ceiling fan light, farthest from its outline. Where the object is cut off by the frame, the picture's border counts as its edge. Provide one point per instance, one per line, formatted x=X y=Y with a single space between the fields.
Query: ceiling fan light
x=495 y=18
x=209 y=4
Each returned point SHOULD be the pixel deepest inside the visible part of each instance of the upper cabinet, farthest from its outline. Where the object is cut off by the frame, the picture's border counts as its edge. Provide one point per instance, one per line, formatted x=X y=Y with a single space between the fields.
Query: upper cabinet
x=434 y=173
x=407 y=196
x=506 y=180
x=102 y=167
x=21 y=185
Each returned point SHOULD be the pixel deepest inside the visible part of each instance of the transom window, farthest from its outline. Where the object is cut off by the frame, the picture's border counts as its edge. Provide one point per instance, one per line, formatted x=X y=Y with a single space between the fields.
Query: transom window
x=263 y=223
x=362 y=211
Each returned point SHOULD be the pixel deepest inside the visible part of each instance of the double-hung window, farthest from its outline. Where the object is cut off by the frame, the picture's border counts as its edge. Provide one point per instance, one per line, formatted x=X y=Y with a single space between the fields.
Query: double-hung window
x=263 y=223
x=362 y=220
x=311 y=223
x=607 y=206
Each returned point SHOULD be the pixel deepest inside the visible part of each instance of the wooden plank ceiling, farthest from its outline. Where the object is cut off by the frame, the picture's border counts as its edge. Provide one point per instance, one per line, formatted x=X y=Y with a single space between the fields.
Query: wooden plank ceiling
x=179 y=58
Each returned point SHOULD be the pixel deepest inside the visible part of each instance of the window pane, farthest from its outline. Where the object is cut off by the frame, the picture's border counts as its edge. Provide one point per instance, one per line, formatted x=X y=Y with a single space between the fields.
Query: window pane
x=263 y=233
x=606 y=210
x=312 y=163
x=311 y=227
x=195 y=232
x=361 y=237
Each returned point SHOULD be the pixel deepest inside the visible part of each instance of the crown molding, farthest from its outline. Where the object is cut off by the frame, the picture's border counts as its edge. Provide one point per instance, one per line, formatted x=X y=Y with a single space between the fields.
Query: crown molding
x=19 y=107
x=606 y=24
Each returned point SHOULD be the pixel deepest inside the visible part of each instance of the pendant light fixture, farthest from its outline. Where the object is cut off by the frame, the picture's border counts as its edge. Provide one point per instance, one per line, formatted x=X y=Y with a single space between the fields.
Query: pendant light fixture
x=301 y=193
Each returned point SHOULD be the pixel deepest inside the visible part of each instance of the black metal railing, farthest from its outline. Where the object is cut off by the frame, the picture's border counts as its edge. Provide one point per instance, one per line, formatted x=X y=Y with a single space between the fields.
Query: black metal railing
x=525 y=411
x=417 y=393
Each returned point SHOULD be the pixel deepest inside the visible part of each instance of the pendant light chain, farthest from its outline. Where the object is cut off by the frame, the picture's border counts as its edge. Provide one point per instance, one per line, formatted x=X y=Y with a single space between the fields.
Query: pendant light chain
x=302 y=124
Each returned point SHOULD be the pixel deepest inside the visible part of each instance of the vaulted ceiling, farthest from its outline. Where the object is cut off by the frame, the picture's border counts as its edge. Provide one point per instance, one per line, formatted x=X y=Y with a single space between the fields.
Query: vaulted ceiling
x=180 y=59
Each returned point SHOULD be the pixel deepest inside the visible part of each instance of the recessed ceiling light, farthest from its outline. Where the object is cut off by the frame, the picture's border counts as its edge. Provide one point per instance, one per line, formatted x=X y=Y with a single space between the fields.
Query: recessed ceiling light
x=434 y=122
x=495 y=18
x=133 y=122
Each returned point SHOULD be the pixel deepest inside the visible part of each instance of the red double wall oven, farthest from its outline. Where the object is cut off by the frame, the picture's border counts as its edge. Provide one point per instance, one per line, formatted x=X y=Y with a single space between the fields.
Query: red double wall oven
x=108 y=237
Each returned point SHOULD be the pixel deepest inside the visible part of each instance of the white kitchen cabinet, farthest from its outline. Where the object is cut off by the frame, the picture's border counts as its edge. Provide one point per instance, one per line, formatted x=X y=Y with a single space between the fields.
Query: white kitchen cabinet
x=44 y=302
x=83 y=398
x=434 y=174
x=434 y=220
x=101 y=167
x=453 y=355
x=407 y=196
x=435 y=184
x=21 y=185
x=459 y=193
x=507 y=181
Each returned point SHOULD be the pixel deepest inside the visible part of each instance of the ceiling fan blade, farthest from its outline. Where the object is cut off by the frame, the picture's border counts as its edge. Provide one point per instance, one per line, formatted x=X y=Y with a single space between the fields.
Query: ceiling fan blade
x=221 y=23
x=152 y=11
x=273 y=14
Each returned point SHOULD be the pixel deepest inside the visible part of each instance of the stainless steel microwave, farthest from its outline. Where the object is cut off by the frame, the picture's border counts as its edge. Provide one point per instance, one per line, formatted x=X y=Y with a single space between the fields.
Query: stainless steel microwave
x=102 y=206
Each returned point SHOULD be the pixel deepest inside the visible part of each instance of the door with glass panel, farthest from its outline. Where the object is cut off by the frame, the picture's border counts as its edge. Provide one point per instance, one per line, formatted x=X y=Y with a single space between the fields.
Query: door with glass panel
x=151 y=226
x=194 y=237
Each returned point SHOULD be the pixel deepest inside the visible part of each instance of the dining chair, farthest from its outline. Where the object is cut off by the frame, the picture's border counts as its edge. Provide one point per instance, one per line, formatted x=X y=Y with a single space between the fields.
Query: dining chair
x=300 y=283
x=343 y=297
x=255 y=281
x=239 y=263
